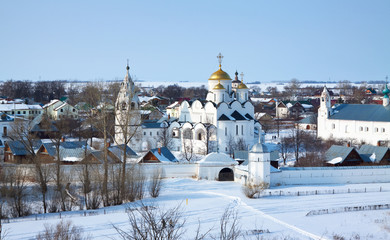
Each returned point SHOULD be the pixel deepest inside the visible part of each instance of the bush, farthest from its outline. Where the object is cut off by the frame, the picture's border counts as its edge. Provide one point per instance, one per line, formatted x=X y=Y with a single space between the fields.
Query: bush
x=64 y=230
x=155 y=184
x=254 y=190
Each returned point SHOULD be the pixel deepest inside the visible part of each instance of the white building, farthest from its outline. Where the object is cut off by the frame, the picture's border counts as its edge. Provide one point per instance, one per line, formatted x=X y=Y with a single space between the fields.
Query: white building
x=57 y=109
x=364 y=123
x=26 y=111
x=223 y=122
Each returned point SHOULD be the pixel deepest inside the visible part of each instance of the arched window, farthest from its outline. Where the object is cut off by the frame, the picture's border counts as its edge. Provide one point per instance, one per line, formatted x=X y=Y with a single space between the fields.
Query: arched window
x=123 y=106
x=132 y=105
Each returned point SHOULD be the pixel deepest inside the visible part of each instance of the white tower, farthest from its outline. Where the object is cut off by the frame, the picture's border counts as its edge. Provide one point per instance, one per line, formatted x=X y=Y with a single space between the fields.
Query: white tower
x=324 y=112
x=259 y=163
x=128 y=118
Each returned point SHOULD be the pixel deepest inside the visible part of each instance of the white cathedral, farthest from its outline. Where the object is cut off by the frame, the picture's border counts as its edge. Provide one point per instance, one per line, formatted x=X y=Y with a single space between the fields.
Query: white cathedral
x=223 y=122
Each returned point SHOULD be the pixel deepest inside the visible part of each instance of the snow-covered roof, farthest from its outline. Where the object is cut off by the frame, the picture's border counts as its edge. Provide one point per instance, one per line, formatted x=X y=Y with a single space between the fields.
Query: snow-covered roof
x=335 y=160
x=217 y=159
x=10 y=107
x=308 y=106
x=173 y=105
x=50 y=103
x=61 y=106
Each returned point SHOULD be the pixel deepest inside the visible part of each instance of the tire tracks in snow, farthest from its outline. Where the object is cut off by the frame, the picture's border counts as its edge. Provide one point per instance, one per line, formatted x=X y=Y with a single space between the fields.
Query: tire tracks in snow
x=237 y=202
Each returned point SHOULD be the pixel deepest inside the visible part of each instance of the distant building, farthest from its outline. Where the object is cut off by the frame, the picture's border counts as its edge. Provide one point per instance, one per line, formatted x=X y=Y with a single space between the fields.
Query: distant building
x=365 y=123
x=57 y=109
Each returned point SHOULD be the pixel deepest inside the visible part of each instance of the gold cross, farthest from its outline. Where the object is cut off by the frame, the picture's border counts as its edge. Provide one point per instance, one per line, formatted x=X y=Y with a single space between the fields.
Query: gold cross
x=220 y=59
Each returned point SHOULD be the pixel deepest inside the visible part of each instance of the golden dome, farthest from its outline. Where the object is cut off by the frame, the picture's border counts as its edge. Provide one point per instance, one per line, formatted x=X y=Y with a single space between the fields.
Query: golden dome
x=242 y=86
x=218 y=86
x=220 y=75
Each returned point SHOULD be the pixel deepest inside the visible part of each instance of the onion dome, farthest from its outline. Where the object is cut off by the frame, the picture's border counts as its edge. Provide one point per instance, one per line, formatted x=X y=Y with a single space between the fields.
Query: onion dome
x=218 y=86
x=259 y=148
x=242 y=86
x=220 y=75
x=386 y=91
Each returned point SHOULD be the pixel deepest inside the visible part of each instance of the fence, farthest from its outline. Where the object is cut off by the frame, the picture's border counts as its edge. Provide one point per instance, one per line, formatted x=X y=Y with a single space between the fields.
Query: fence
x=348 y=209
x=268 y=193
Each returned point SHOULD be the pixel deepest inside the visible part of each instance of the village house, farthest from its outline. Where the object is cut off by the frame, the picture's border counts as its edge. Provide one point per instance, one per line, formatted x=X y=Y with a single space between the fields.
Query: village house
x=159 y=155
x=17 y=151
x=22 y=110
x=57 y=109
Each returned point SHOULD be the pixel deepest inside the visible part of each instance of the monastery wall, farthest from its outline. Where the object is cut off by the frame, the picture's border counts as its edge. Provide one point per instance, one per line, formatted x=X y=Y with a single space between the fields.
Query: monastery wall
x=330 y=175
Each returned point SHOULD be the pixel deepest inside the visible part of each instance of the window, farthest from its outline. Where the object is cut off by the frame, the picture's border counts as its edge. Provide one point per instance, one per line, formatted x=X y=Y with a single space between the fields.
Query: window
x=13 y=112
x=236 y=129
x=62 y=110
x=366 y=129
x=18 y=112
x=376 y=129
x=29 y=112
x=361 y=129
x=74 y=110
x=24 y=112
x=225 y=131
x=333 y=126
x=157 y=133
x=242 y=129
x=144 y=133
x=150 y=133
x=383 y=130
x=4 y=131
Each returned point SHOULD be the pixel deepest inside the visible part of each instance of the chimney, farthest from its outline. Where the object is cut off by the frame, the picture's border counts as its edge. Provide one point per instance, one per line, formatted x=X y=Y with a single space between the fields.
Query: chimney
x=62 y=139
x=159 y=151
x=169 y=116
x=108 y=144
x=378 y=143
x=348 y=144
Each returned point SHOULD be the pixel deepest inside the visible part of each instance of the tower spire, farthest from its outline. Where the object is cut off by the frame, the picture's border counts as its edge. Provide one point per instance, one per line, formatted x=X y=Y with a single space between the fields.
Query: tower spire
x=220 y=60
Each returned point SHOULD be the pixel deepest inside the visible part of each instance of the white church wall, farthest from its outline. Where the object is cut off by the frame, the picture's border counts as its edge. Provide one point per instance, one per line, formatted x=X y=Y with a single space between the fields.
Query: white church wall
x=362 y=131
x=330 y=175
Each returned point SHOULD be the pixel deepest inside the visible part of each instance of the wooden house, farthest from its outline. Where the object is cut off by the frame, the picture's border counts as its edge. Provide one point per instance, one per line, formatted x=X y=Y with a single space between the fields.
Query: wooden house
x=17 y=152
x=69 y=152
x=342 y=156
x=159 y=155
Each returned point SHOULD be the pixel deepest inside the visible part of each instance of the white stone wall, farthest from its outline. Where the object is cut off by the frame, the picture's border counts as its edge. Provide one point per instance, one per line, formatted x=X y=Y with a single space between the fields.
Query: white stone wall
x=330 y=175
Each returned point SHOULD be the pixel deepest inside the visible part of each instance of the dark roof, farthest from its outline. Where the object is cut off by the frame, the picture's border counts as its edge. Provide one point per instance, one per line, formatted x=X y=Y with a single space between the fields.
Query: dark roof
x=336 y=151
x=223 y=117
x=67 y=149
x=372 y=154
x=165 y=155
x=248 y=116
x=19 y=149
x=117 y=150
x=237 y=116
x=151 y=124
x=362 y=112
x=99 y=155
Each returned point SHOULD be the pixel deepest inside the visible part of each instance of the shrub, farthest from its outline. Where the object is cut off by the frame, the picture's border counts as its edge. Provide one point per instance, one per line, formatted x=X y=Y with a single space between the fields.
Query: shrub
x=254 y=190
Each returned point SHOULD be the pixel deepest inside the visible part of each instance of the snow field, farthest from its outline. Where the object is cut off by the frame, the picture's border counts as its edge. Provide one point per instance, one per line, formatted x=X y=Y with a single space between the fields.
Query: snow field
x=283 y=217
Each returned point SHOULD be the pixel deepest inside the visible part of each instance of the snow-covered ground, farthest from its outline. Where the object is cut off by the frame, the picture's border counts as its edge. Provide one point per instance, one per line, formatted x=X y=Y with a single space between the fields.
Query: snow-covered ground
x=284 y=217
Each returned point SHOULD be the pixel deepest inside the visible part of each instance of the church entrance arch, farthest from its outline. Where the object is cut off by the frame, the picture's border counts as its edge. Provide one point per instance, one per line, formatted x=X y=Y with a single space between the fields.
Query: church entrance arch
x=226 y=174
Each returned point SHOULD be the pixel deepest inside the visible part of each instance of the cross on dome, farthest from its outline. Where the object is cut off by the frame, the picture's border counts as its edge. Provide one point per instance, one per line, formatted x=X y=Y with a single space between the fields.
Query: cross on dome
x=220 y=59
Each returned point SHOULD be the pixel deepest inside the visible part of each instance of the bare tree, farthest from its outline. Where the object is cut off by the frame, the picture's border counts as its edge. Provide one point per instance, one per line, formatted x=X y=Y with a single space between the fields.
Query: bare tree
x=155 y=183
x=17 y=191
x=21 y=131
x=165 y=138
x=153 y=223
x=229 y=228
x=188 y=149
x=284 y=147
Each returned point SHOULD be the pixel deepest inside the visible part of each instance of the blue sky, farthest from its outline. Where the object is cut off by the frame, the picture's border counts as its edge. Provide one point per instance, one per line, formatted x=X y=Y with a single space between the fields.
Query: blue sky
x=179 y=40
